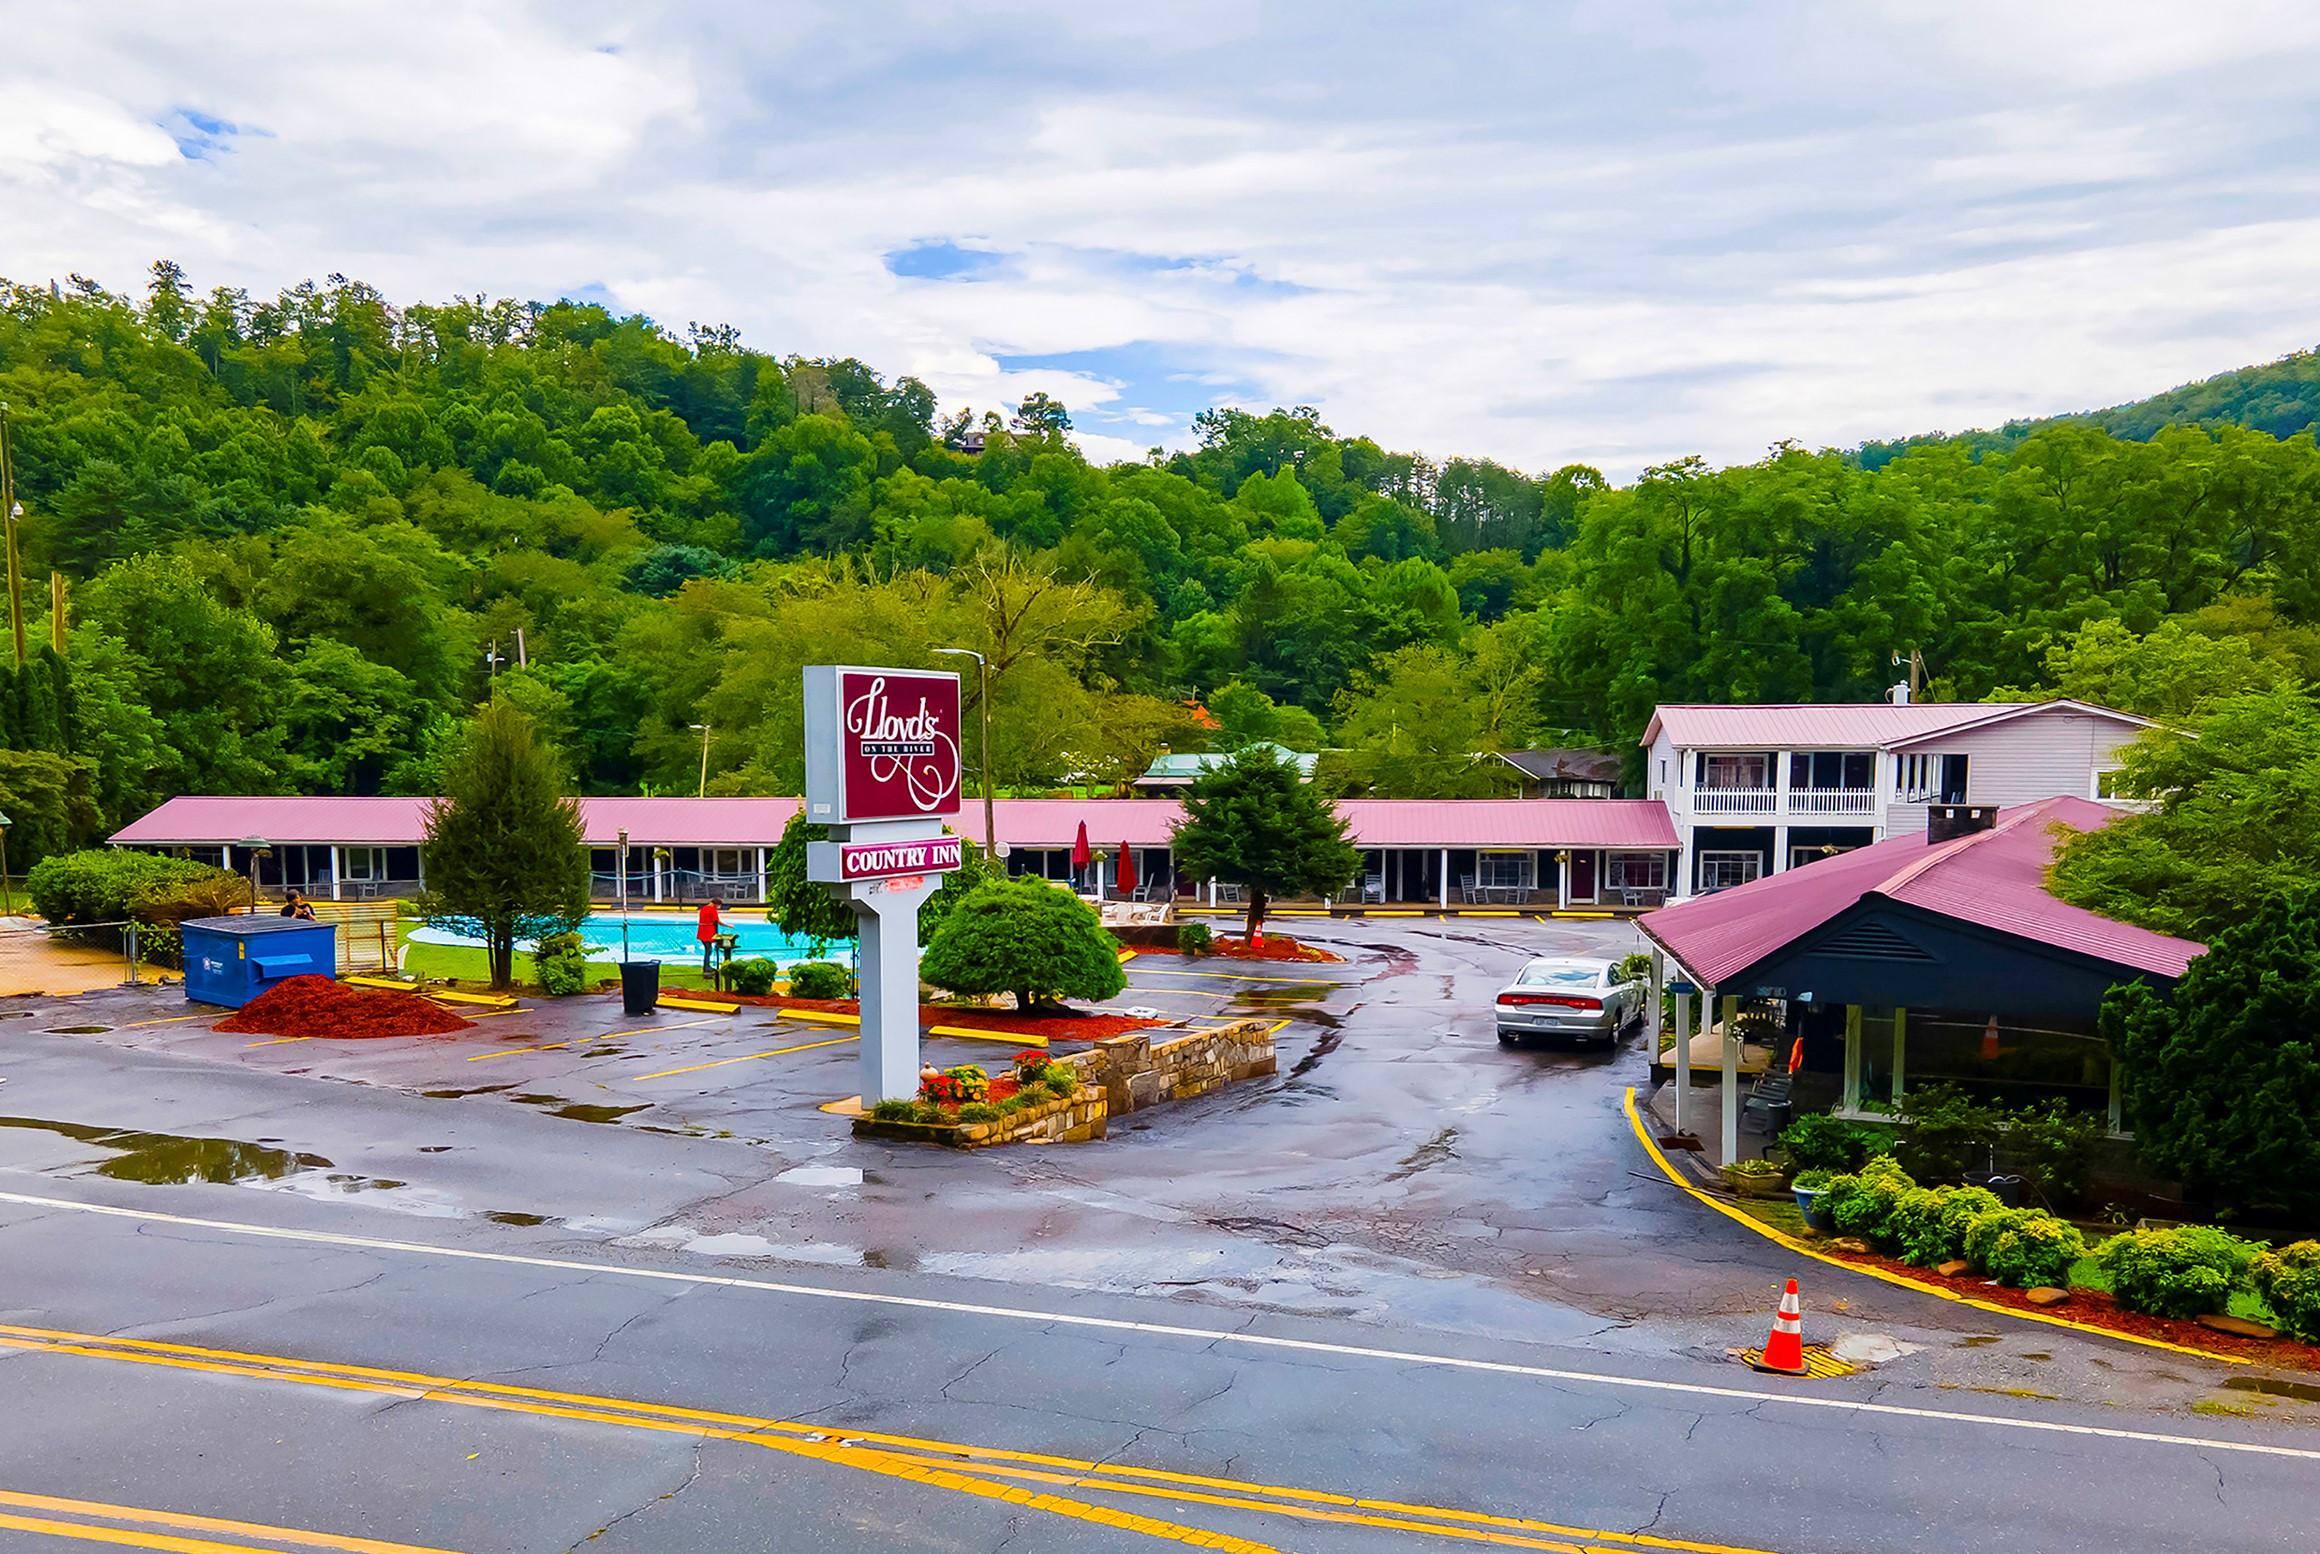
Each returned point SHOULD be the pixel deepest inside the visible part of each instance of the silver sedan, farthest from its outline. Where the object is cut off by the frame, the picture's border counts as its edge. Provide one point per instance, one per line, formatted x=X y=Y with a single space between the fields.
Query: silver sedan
x=1574 y=996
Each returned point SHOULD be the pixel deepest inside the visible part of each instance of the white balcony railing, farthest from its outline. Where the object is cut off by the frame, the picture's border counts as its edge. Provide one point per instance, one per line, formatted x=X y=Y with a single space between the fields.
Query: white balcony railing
x=1833 y=801
x=1735 y=801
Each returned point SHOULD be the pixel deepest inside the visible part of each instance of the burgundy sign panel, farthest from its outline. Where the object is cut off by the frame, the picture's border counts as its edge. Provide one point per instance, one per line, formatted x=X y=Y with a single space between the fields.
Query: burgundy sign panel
x=898 y=756
x=889 y=860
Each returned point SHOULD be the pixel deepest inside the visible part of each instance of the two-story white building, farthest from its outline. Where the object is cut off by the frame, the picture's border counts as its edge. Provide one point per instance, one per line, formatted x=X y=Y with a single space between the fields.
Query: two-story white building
x=1759 y=790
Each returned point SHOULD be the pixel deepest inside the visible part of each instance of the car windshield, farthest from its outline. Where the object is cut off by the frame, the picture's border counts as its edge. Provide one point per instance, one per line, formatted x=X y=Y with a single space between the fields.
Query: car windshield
x=1557 y=976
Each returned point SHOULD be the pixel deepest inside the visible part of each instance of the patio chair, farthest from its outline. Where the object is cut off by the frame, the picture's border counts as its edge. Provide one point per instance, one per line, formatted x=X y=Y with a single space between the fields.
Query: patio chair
x=1769 y=1097
x=1466 y=888
x=1373 y=888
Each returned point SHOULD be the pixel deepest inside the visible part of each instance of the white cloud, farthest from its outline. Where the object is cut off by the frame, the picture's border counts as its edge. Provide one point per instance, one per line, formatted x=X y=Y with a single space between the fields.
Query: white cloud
x=1647 y=230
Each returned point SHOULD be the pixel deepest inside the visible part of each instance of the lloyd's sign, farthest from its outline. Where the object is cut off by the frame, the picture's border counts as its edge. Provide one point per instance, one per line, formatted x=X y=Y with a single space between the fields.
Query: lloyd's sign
x=881 y=744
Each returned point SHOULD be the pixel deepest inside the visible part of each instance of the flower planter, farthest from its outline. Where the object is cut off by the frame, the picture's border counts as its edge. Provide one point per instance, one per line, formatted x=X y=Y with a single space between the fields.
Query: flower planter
x=1756 y=1184
x=1808 y=1203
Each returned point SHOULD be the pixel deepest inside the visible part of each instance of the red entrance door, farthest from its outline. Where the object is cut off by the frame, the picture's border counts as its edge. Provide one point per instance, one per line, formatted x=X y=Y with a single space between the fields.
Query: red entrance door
x=1582 y=876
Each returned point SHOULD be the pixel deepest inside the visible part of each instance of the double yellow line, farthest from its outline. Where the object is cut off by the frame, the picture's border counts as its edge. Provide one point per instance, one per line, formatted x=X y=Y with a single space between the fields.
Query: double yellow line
x=1029 y=1480
x=95 y=1521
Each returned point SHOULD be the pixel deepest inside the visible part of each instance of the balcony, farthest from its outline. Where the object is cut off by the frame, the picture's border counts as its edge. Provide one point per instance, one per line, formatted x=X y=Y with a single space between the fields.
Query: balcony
x=1768 y=801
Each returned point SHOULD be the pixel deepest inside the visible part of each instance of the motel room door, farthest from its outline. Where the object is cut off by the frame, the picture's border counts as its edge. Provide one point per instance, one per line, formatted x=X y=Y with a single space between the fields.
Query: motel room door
x=1582 y=878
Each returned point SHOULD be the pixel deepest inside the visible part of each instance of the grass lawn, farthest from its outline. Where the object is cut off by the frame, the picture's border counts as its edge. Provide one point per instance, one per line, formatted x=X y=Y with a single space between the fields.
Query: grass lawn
x=464 y=963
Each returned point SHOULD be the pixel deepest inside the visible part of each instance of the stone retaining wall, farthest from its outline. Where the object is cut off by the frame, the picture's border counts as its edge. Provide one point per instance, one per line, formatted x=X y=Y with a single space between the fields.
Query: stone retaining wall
x=1071 y=1121
x=1135 y=1072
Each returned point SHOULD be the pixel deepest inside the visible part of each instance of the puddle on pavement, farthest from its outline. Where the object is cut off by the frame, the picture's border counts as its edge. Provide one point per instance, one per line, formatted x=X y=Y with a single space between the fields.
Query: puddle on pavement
x=2275 y=1387
x=579 y=1111
x=453 y=1095
x=735 y=1243
x=512 y=1217
x=822 y=1176
x=1321 y=1049
x=1975 y=1341
x=1433 y=1152
x=162 y=1158
x=79 y=1030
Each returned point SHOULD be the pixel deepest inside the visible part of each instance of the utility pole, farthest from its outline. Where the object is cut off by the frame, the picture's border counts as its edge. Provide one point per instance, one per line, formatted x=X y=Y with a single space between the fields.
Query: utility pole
x=492 y=659
x=1916 y=674
x=13 y=510
x=702 y=792
x=56 y=612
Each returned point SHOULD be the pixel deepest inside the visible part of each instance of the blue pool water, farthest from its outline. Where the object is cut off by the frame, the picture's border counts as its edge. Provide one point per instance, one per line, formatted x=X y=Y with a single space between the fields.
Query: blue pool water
x=662 y=936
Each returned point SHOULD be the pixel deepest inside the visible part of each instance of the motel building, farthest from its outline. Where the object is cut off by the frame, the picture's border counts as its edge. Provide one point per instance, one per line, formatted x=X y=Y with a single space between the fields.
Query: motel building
x=1520 y=854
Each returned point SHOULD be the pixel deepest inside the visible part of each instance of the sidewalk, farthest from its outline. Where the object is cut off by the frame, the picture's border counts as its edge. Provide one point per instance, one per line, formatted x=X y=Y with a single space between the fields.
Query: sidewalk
x=1704 y=1120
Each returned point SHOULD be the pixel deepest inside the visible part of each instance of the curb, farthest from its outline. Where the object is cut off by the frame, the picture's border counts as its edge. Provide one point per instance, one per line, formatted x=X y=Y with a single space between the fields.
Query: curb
x=1643 y=1137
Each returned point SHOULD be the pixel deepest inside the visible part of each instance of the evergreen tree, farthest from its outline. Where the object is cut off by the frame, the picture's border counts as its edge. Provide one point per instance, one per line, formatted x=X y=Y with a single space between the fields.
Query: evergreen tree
x=504 y=854
x=1255 y=822
x=800 y=907
x=2218 y=1083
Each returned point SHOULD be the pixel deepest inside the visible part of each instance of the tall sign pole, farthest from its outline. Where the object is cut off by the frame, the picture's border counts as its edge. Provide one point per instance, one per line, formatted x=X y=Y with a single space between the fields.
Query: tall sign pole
x=882 y=773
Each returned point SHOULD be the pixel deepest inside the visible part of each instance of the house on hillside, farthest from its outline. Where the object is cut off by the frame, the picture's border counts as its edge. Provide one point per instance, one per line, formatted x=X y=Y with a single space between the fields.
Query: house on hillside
x=1759 y=790
x=1937 y=956
x=1178 y=770
x=1564 y=773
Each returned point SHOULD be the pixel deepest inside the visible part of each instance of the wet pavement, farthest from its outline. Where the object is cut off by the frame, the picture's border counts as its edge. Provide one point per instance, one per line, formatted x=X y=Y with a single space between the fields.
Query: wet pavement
x=659 y=1209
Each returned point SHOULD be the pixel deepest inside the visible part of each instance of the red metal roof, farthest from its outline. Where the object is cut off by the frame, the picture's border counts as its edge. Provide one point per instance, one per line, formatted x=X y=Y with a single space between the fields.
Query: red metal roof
x=751 y=822
x=1996 y=878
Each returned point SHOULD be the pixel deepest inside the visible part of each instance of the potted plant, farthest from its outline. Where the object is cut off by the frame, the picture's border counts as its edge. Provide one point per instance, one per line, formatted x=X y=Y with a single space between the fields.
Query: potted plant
x=1756 y=1178
x=1808 y=1187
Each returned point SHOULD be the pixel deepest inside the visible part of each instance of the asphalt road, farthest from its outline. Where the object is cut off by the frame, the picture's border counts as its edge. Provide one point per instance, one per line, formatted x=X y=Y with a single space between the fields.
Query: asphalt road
x=1418 y=1293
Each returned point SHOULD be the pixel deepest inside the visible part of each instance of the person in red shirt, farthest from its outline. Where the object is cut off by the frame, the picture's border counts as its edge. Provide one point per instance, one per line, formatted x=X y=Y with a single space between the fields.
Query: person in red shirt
x=707 y=934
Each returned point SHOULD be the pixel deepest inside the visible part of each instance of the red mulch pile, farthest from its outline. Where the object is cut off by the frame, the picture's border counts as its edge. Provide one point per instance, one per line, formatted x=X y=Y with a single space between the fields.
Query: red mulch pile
x=1276 y=947
x=1055 y=1027
x=2097 y=1309
x=317 y=1006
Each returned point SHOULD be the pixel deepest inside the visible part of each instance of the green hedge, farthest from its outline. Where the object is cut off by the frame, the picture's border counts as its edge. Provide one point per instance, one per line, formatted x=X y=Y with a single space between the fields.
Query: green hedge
x=1880 y=1204
x=754 y=976
x=2023 y=1247
x=2289 y=1282
x=2185 y=1271
x=1818 y=1141
x=820 y=979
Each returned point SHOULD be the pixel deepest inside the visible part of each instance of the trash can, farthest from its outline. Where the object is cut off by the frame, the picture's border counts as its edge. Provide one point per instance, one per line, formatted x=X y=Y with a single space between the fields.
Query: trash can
x=640 y=986
x=231 y=960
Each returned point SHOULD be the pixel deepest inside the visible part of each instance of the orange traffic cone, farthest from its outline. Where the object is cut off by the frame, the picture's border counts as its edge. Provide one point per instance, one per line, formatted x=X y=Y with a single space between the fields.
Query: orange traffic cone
x=1784 y=1350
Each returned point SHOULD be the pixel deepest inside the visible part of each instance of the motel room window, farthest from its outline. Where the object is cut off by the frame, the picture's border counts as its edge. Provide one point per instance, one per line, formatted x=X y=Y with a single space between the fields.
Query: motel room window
x=1635 y=871
x=2107 y=783
x=725 y=862
x=1723 y=870
x=365 y=863
x=1504 y=871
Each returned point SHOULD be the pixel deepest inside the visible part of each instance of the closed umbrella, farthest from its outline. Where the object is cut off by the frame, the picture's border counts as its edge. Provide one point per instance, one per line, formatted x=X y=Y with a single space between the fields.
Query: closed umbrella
x=1127 y=871
x=1080 y=851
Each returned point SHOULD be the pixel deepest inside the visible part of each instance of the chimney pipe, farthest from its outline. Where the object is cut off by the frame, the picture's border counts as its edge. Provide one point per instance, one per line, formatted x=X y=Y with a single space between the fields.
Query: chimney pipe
x=1947 y=822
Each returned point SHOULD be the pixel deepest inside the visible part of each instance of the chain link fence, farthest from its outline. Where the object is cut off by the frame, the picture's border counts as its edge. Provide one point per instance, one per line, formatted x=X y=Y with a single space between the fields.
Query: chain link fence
x=76 y=958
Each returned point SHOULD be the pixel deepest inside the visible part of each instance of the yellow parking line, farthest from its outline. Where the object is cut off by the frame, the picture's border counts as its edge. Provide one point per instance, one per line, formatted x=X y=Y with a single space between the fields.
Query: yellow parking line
x=825 y=1016
x=977 y=1033
x=749 y=1057
x=179 y=1519
x=1234 y=976
x=273 y=1041
x=175 y=1019
x=574 y=1041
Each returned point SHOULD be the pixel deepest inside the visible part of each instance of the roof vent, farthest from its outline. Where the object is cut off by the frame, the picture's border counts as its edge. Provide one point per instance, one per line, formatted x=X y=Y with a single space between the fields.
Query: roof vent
x=1869 y=940
x=1946 y=822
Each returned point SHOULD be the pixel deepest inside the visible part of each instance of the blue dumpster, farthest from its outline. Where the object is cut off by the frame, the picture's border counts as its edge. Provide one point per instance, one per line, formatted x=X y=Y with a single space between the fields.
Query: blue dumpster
x=231 y=960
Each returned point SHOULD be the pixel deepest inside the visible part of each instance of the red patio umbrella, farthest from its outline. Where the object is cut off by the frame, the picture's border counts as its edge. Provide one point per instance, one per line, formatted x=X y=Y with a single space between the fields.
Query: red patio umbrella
x=1080 y=852
x=1125 y=875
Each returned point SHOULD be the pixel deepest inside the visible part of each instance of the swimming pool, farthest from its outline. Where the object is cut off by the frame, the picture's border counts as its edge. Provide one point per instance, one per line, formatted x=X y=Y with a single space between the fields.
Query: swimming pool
x=662 y=936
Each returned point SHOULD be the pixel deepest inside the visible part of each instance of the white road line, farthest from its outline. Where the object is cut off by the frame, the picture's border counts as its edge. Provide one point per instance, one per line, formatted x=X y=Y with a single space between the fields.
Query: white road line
x=1169 y=1330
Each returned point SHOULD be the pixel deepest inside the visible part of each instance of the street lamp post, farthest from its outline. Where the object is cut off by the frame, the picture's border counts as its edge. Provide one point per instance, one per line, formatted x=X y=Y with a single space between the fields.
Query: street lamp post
x=7 y=900
x=702 y=729
x=12 y=510
x=257 y=847
x=983 y=708
x=620 y=876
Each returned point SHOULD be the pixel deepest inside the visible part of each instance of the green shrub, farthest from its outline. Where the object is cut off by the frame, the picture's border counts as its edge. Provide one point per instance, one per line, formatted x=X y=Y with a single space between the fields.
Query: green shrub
x=1193 y=938
x=753 y=975
x=1861 y=1203
x=1948 y=1132
x=895 y=1110
x=1063 y=1079
x=1960 y=1207
x=1813 y=1179
x=978 y=1111
x=2183 y=1272
x=560 y=961
x=99 y=885
x=1819 y=1141
x=160 y=945
x=2053 y=1146
x=1633 y=968
x=2023 y=1247
x=2289 y=1282
x=1027 y=938
x=819 y=979
x=1917 y=1230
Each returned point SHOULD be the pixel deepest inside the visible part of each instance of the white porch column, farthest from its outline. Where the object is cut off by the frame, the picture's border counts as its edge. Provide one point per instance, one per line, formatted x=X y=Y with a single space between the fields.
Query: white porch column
x=1731 y=1092
x=1780 y=772
x=1562 y=879
x=1099 y=881
x=761 y=874
x=1445 y=879
x=1900 y=1039
x=1652 y=996
x=1850 y=1099
x=1780 y=849
x=657 y=867
x=337 y=871
x=1212 y=892
x=1683 y=1058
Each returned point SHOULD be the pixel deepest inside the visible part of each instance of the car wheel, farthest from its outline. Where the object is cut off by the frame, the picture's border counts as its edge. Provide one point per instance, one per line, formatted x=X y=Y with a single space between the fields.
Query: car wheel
x=1507 y=1038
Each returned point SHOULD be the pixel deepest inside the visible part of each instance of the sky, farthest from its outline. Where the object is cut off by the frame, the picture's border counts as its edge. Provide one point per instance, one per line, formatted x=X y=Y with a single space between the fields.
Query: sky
x=1613 y=234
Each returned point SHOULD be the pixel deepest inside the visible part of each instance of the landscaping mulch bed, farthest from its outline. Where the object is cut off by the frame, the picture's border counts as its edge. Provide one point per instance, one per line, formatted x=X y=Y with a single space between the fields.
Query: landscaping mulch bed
x=1277 y=947
x=1055 y=1027
x=2097 y=1309
x=317 y=1007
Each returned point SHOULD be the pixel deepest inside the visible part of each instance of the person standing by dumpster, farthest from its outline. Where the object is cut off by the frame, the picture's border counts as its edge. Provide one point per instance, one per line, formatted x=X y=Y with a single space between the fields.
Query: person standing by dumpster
x=706 y=932
x=295 y=904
